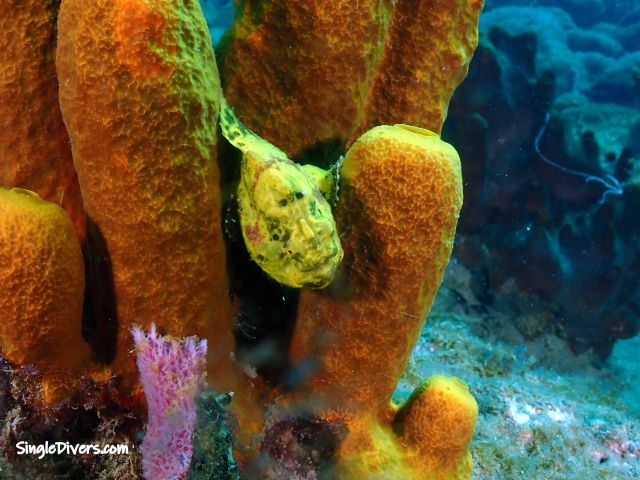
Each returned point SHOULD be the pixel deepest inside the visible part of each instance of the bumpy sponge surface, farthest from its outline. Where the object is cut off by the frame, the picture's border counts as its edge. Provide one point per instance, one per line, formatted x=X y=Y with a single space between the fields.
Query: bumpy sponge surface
x=437 y=424
x=34 y=146
x=41 y=290
x=302 y=74
x=400 y=195
x=140 y=94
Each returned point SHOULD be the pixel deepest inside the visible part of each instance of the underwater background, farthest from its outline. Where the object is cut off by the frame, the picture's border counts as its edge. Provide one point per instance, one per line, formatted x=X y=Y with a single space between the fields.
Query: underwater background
x=540 y=306
x=541 y=300
x=545 y=275
x=539 y=309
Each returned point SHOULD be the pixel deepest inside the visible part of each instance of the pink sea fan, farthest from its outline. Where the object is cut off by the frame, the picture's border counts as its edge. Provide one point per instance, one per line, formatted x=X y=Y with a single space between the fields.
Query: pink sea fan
x=172 y=374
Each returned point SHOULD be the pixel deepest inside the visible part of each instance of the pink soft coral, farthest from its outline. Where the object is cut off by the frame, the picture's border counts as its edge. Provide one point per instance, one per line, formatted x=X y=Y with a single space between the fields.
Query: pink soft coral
x=172 y=373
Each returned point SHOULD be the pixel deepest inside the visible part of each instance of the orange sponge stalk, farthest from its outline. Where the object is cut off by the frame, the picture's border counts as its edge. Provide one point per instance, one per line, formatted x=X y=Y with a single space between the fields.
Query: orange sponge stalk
x=140 y=94
x=400 y=196
x=318 y=73
x=34 y=146
x=41 y=291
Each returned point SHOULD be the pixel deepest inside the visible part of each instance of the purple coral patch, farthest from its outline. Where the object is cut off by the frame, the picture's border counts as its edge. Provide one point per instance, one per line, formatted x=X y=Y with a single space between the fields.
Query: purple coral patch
x=172 y=373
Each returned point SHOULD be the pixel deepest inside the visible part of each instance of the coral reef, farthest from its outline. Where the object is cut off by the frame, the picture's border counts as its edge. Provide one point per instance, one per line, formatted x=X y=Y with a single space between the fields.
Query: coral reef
x=298 y=446
x=545 y=412
x=41 y=291
x=586 y=13
x=97 y=413
x=141 y=99
x=539 y=238
x=34 y=145
x=212 y=440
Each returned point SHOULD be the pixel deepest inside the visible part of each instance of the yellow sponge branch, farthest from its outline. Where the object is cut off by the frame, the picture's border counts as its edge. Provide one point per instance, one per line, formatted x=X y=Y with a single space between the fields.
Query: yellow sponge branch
x=401 y=193
x=400 y=196
x=41 y=290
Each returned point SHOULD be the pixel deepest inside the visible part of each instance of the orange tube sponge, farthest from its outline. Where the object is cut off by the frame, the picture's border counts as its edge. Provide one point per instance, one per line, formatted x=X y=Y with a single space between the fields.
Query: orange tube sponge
x=34 y=146
x=297 y=72
x=41 y=290
x=140 y=94
x=429 y=438
x=427 y=53
x=302 y=74
x=437 y=424
x=400 y=196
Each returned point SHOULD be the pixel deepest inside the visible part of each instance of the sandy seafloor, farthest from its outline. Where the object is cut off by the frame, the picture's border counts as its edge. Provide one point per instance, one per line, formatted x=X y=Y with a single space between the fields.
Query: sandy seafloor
x=544 y=412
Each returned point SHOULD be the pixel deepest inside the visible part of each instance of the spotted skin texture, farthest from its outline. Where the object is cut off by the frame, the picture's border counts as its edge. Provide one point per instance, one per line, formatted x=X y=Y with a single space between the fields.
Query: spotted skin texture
x=140 y=94
x=304 y=73
x=41 y=291
x=286 y=221
x=34 y=146
x=287 y=224
x=400 y=197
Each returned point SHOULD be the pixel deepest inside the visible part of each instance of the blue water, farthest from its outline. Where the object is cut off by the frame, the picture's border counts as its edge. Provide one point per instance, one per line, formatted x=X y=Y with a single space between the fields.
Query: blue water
x=219 y=14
